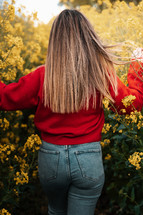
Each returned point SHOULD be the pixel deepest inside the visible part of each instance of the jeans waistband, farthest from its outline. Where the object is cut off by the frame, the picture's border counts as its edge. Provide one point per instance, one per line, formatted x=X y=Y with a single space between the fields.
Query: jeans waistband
x=83 y=146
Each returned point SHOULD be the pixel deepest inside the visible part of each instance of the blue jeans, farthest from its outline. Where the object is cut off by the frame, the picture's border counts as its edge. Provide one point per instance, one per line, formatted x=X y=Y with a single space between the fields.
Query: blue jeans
x=72 y=176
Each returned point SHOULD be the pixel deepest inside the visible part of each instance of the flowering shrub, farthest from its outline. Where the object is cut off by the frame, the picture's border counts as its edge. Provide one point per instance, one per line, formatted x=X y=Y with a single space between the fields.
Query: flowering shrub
x=20 y=53
x=123 y=160
x=22 y=48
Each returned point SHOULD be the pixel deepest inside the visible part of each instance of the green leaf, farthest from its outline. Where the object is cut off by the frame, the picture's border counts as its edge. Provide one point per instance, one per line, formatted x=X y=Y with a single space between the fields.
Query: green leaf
x=133 y=194
x=137 y=210
x=119 y=137
x=121 y=127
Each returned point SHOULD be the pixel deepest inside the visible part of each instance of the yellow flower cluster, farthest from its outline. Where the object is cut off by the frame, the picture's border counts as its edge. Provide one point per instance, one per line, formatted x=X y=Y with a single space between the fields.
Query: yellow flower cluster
x=21 y=178
x=11 y=12
x=105 y=142
x=33 y=142
x=24 y=167
x=106 y=103
x=135 y=159
x=9 y=75
x=18 y=113
x=106 y=128
x=5 y=151
x=123 y=78
x=4 y=212
x=110 y=25
x=17 y=52
x=4 y=124
x=128 y=100
x=135 y=117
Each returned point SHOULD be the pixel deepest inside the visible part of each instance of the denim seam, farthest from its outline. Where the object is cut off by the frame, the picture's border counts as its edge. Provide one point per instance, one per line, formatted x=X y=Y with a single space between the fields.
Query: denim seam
x=48 y=151
x=67 y=162
x=88 y=151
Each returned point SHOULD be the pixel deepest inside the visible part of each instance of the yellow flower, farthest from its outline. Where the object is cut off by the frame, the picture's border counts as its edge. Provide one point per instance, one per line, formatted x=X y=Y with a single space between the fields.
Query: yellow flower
x=135 y=159
x=35 y=16
x=13 y=1
x=32 y=142
x=106 y=128
x=102 y=143
x=11 y=168
x=123 y=110
x=21 y=178
x=105 y=142
x=120 y=131
x=18 y=113
x=4 y=212
x=11 y=12
x=16 y=125
x=4 y=123
x=108 y=157
x=23 y=125
x=31 y=116
x=140 y=124
x=16 y=192
x=106 y=103
x=128 y=100
x=115 y=128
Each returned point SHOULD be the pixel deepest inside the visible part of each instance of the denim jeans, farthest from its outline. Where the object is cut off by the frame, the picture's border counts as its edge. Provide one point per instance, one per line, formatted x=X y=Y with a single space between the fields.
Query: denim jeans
x=72 y=176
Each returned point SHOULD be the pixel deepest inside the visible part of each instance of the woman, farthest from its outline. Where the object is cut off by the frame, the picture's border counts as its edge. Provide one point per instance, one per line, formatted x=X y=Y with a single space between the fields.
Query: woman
x=67 y=93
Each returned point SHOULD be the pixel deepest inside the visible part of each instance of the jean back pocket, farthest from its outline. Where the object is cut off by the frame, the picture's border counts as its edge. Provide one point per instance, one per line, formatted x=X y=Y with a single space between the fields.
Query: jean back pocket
x=48 y=164
x=90 y=163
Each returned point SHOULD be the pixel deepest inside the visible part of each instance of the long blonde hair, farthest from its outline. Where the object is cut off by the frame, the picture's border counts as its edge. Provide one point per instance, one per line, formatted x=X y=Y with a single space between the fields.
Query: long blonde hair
x=77 y=65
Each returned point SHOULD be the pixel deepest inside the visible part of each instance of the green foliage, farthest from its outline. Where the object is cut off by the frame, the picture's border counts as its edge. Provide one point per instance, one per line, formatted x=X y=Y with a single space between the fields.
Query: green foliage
x=124 y=181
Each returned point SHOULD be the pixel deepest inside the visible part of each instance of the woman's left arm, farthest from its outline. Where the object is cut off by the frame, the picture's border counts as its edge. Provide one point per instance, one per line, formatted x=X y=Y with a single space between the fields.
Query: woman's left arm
x=24 y=94
x=134 y=89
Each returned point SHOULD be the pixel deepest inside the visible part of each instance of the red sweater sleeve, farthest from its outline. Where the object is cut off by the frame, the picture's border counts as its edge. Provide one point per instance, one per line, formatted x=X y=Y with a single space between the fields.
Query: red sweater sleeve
x=135 y=88
x=22 y=95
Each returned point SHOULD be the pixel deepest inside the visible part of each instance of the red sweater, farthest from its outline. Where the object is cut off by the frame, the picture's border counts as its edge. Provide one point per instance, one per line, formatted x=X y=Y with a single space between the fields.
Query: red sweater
x=66 y=129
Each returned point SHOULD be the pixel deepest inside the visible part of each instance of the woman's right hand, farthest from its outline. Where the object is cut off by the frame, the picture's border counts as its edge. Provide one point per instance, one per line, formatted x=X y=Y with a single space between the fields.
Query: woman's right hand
x=138 y=54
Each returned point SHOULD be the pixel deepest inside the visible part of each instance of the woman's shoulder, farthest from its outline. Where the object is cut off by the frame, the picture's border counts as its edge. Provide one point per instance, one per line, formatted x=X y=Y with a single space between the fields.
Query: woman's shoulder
x=40 y=69
x=38 y=73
